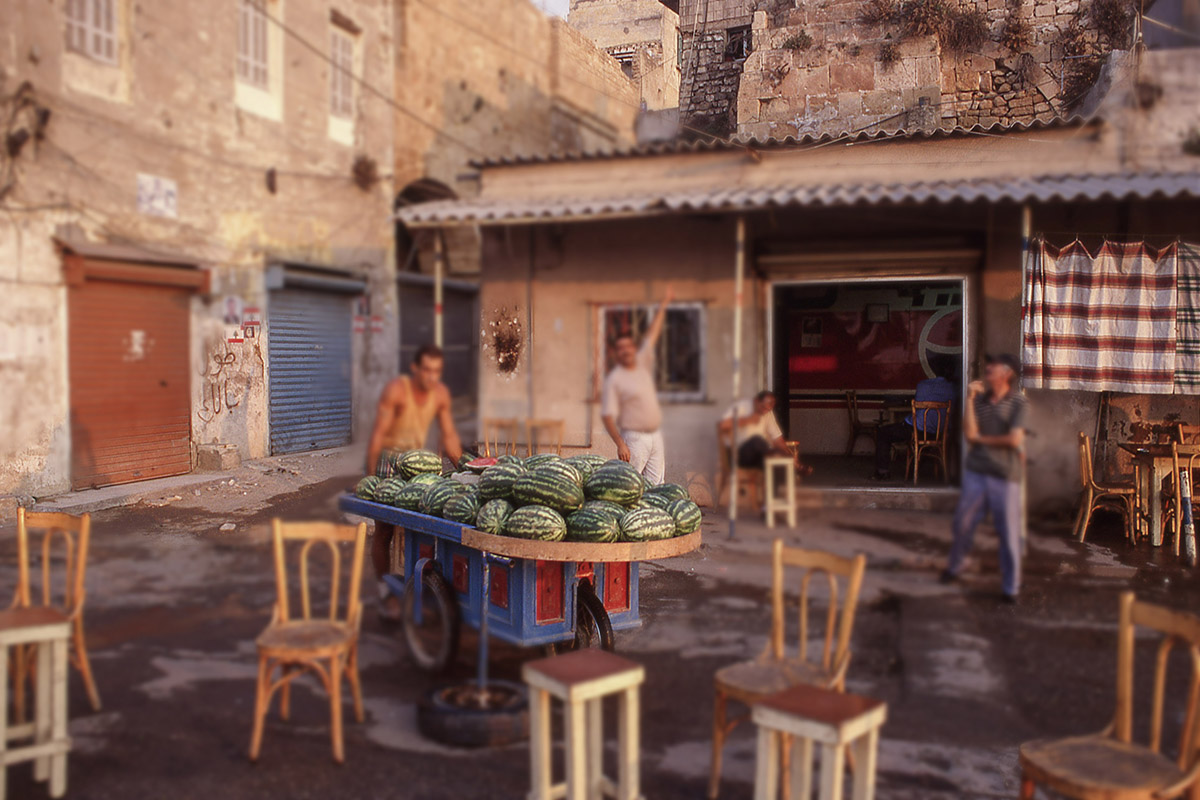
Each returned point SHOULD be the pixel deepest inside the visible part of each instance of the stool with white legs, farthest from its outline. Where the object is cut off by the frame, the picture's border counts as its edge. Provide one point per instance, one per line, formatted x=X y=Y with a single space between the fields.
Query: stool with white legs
x=581 y=680
x=834 y=720
x=775 y=503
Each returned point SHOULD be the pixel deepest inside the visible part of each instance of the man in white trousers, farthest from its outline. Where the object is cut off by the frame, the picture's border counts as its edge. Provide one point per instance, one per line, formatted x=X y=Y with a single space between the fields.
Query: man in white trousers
x=629 y=404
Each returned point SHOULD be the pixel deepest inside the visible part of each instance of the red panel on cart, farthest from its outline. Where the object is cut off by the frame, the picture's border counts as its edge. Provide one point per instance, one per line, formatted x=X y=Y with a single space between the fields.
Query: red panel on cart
x=616 y=586
x=498 y=590
x=424 y=551
x=551 y=592
x=462 y=574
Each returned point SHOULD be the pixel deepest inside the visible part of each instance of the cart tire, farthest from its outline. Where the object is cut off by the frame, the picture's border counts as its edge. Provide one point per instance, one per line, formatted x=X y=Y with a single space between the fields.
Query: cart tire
x=592 y=626
x=444 y=721
x=433 y=640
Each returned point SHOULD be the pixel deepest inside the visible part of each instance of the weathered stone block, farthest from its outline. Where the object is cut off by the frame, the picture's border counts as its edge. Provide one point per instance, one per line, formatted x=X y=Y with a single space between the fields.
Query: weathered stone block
x=881 y=102
x=854 y=76
x=900 y=75
x=217 y=457
x=850 y=104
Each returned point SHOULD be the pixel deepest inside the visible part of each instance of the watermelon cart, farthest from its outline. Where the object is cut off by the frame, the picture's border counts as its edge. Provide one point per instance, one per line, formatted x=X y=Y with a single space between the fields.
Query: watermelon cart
x=524 y=592
x=538 y=552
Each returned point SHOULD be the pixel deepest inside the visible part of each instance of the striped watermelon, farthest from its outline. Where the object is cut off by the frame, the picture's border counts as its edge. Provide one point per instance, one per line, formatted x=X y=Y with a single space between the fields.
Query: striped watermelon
x=426 y=479
x=592 y=525
x=388 y=464
x=462 y=508
x=656 y=500
x=646 y=525
x=612 y=509
x=435 y=497
x=419 y=462
x=547 y=489
x=586 y=463
x=536 y=522
x=493 y=515
x=509 y=458
x=541 y=459
x=497 y=482
x=387 y=490
x=365 y=488
x=561 y=469
x=687 y=516
x=409 y=498
x=672 y=491
x=616 y=482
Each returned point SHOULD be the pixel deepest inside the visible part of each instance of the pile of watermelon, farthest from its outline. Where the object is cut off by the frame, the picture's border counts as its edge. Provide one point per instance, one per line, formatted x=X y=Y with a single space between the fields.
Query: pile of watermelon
x=583 y=498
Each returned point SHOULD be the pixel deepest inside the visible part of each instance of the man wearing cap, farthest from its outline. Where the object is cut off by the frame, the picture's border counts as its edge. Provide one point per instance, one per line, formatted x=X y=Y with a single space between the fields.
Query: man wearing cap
x=994 y=426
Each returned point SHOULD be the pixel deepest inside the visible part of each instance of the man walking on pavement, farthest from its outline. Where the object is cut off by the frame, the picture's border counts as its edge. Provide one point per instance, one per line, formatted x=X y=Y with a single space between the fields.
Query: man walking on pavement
x=629 y=403
x=994 y=426
x=407 y=407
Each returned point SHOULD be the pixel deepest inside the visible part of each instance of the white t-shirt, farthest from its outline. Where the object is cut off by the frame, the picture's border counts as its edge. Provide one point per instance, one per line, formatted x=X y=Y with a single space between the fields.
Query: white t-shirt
x=766 y=426
x=630 y=396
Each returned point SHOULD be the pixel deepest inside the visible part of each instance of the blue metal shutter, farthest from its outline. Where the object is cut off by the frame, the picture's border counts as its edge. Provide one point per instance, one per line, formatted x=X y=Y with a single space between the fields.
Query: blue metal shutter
x=310 y=370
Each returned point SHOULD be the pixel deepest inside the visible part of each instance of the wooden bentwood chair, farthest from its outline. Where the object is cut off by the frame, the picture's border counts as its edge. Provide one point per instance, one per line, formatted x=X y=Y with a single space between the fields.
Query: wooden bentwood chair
x=858 y=427
x=73 y=535
x=293 y=643
x=774 y=670
x=1109 y=765
x=1119 y=496
x=500 y=436
x=544 y=433
x=929 y=439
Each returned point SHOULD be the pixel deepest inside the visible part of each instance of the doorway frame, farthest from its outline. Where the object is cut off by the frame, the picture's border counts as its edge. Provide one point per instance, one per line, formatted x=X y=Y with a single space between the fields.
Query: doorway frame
x=968 y=341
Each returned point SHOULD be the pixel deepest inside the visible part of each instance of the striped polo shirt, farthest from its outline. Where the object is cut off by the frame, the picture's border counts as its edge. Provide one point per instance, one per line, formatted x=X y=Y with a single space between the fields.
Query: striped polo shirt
x=998 y=419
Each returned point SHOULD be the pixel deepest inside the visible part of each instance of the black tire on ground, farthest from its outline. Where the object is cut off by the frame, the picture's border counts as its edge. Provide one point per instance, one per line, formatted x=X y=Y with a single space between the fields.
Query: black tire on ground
x=433 y=640
x=447 y=715
x=592 y=625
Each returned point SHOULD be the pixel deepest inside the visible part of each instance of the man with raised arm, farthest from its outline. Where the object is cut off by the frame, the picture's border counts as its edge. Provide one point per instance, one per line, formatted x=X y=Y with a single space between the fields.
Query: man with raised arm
x=629 y=404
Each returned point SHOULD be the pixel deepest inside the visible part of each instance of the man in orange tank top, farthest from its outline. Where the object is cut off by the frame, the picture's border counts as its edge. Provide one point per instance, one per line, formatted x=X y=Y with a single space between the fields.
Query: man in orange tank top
x=407 y=407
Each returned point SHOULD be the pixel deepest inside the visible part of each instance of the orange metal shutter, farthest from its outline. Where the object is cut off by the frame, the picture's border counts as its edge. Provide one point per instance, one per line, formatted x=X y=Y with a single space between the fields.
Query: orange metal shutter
x=129 y=381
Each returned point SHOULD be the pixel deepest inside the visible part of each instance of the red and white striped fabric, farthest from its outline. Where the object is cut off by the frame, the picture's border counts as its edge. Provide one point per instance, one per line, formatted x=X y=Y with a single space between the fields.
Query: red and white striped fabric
x=1101 y=323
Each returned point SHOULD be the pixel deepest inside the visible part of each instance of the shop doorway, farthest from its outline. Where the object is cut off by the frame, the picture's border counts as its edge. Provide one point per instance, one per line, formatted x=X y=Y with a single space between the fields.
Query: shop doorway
x=846 y=359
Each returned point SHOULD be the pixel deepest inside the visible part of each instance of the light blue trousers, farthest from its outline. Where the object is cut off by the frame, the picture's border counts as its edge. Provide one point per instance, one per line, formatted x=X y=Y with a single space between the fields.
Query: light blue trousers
x=981 y=494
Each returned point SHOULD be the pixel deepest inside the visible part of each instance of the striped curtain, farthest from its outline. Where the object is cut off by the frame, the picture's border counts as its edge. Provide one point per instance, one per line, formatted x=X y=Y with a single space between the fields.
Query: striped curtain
x=1103 y=322
x=1187 y=317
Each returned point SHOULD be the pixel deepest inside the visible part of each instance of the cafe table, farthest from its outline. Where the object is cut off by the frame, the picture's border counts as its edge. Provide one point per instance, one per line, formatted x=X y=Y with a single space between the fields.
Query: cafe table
x=1152 y=462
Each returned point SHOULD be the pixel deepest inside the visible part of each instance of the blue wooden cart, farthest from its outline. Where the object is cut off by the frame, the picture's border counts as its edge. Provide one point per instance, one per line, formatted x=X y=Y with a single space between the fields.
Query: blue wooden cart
x=527 y=593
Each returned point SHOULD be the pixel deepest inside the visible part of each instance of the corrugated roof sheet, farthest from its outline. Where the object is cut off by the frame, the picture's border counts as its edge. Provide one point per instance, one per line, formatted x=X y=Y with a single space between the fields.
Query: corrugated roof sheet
x=499 y=211
x=714 y=145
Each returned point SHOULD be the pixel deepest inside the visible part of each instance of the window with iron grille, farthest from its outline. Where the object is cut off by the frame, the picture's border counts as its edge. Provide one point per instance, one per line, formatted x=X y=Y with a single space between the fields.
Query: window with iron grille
x=252 y=44
x=737 y=43
x=341 y=80
x=92 y=28
x=679 y=362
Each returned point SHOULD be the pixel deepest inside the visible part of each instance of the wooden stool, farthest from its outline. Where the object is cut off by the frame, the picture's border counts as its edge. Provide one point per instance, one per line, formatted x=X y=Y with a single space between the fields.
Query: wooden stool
x=581 y=680
x=776 y=504
x=834 y=719
x=50 y=630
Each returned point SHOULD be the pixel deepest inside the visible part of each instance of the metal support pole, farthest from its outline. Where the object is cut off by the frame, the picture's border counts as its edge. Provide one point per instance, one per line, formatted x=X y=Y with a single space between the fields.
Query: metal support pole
x=739 y=274
x=481 y=669
x=439 y=269
x=1026 y=233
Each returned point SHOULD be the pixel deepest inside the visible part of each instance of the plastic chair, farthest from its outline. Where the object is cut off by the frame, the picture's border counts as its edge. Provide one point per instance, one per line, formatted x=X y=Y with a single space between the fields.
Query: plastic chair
x=774 y=670
x=293 y=644
x=930 y=437
x=74 y=534
x=1109 y=764
x=1121 y=496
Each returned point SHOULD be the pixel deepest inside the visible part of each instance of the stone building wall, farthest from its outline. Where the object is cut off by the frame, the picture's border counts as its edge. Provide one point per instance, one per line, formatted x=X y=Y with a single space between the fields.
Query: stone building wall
x=643 y=35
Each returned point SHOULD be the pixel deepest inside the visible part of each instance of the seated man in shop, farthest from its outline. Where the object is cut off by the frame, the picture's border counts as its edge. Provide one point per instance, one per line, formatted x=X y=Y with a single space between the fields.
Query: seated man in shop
x=758 y=433
x=931 y=390
x=407 y=407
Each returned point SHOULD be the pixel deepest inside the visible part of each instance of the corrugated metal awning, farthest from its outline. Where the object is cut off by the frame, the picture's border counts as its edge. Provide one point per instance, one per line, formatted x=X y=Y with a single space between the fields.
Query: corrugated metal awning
x=1046 y=188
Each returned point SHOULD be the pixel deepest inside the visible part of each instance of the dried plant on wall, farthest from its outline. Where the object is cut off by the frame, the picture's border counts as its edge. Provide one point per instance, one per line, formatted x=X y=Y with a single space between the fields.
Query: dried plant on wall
x=504 y=338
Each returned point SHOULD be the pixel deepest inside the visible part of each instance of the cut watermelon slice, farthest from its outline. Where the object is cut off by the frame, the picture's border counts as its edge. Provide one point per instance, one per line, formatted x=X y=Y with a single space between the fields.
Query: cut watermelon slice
x=480 y=464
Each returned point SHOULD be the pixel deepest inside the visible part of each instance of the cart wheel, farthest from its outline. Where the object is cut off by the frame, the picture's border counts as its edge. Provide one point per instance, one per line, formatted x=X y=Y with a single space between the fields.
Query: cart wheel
x=433 y=639
x=592 y=626
x=461 y=716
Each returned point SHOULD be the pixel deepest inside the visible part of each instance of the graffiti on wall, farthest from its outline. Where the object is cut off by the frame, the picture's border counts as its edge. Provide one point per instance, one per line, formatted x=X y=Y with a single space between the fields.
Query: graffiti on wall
x=227 y=376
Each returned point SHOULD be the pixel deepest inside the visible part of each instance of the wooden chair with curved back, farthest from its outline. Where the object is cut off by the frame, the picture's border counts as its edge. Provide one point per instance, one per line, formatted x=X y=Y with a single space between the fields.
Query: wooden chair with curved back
x=73 y=535
x=500 y=435
x=930 y=438
x=1187 y=434
x=546 y=433
x=1109 y=764
x=1097 y=494
x=774 y=670
x=1183 y=457
x=858 y=426
x=295 y=643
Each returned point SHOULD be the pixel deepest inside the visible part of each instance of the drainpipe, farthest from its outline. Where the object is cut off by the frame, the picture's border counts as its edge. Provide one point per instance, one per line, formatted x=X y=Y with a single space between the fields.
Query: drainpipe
x=439 y=268
x=739 y=272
